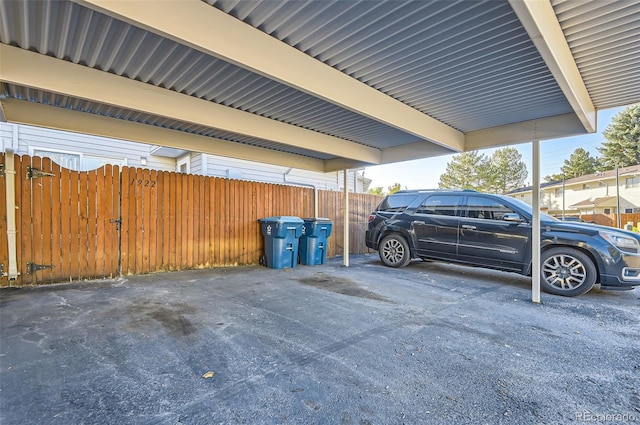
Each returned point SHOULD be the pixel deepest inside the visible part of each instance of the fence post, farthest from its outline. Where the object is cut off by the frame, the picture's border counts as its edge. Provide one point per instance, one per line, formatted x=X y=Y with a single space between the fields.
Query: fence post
x=10 y=176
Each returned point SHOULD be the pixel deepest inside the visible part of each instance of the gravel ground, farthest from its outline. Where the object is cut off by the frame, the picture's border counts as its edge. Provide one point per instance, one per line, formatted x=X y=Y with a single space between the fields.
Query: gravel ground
x=428 y=344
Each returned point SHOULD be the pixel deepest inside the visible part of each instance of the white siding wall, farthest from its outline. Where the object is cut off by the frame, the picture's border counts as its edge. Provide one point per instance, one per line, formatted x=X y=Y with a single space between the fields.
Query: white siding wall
x=247 y=170
x=196 y=163
x=24 y=137
x=21 y=138
x=574 y=193
x=630 y=197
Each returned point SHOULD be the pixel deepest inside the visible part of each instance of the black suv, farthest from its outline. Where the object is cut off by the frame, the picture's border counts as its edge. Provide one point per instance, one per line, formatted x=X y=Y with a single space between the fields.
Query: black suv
x=494 y=231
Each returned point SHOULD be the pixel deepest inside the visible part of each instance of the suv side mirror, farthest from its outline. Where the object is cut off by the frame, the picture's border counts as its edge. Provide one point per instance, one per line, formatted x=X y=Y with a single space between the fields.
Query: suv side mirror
x=512 y=217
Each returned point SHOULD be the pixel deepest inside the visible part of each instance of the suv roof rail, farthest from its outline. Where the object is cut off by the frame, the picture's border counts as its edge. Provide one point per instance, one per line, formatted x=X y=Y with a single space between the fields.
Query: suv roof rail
x=433 y=190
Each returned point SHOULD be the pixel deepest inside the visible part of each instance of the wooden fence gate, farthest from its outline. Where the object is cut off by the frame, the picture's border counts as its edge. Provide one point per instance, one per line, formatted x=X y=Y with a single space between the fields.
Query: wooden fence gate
x=66 y=222
x=72 y=225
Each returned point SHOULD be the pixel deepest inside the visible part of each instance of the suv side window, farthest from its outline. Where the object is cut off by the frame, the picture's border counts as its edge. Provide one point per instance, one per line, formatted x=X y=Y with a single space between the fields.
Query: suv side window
x=441 y=205
x=485 y=208
x=396 y=203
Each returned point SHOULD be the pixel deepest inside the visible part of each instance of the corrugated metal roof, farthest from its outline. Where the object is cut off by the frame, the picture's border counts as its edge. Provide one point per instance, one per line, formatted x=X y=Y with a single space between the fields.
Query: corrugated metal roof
x=71 y=32
x=75 y=104
x=468 y=64
x=604 y=38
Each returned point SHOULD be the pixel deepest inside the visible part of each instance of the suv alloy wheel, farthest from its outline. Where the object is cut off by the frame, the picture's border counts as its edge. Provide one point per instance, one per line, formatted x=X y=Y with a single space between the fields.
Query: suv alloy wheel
x=566 y=271
x=394 y=251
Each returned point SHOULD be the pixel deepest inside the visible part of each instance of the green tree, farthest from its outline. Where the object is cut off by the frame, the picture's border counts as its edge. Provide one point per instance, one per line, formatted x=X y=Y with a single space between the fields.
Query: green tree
x=465 y=171
x=505 y=171
x=579 y=163
x=393 y=188
x=622 y=147
x=376 y=191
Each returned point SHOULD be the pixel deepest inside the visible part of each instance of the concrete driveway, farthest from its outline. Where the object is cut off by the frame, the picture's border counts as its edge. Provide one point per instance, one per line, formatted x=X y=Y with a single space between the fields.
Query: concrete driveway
x=431 y=343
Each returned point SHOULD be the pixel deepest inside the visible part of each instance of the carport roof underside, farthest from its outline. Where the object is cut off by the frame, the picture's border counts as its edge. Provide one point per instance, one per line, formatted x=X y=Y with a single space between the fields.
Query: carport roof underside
x=320 y=85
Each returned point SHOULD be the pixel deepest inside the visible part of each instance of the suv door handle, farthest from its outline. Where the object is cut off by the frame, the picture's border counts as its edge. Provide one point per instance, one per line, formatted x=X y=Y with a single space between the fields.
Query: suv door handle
x=468 y=227
x=418 y=222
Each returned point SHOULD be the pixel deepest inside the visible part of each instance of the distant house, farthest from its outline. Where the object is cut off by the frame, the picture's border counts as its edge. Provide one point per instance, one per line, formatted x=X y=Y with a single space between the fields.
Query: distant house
x=590 y=194
x=84 y=152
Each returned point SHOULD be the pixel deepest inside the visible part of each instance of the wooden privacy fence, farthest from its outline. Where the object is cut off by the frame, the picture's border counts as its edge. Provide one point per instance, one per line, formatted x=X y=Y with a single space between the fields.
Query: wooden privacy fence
x=78 y=225
x=611 y=220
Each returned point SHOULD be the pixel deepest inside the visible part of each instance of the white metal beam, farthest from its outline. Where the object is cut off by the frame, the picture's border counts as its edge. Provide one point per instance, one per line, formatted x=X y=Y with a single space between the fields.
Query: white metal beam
x=26 y=68
x=412 y=151
x=406 y=152
x=24 y=112
x=525 y=132
x=541 y=23
x=535 y=224
x=345 y=241
x=198 y=25
x=339 y=164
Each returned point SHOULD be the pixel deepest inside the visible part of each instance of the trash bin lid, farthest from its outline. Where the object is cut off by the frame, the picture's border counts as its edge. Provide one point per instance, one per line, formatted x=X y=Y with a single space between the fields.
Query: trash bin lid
x=317 y=220
x=282 y=219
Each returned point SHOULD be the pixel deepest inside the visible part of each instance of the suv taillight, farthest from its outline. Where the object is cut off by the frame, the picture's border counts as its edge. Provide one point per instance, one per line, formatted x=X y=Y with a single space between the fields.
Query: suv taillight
x=371 y=217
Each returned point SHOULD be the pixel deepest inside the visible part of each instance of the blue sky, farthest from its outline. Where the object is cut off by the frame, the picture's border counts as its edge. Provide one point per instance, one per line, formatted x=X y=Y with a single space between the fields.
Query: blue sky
x=425 y=173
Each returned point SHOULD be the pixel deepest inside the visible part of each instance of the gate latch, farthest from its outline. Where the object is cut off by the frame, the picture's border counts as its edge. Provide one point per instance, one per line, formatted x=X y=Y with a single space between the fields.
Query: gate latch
x=33 y=267
x=32 y=173
x=118 y=222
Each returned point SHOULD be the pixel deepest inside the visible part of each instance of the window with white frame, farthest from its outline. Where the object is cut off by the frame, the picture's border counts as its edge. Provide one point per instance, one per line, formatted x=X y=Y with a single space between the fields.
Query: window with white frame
x=607 y=211
x=632 y=182
x=91 y=162
x=74 y=160
x=558 y=191
x=65 y=159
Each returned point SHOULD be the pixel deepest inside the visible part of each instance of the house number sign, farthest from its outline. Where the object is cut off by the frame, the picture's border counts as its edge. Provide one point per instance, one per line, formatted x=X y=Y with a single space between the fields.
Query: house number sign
x=143 y=183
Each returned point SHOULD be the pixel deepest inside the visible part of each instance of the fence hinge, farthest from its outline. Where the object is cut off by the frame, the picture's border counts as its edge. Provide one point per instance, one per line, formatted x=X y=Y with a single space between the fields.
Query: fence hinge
x=1 y=170
x=32 y=173
x=2 y=270
x=33 y=267
x=118 y=222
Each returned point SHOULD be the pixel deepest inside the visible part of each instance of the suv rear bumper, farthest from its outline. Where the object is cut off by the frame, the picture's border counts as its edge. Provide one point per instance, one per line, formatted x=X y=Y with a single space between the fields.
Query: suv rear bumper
x=369 y=241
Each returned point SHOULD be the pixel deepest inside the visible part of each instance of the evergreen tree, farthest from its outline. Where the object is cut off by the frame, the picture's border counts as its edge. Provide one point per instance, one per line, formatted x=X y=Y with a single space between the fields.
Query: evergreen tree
x=505 y=171
x=393 y=188
x=465 y=171
x=579 y=163
x=622 y=147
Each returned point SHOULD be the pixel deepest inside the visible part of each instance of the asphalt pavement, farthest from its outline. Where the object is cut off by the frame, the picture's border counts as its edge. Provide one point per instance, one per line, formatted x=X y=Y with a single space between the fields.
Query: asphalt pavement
x=431 y=343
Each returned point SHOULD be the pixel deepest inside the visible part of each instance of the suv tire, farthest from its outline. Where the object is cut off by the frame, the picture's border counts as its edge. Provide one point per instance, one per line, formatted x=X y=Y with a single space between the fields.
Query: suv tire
x=566 y=271
x=394 y=251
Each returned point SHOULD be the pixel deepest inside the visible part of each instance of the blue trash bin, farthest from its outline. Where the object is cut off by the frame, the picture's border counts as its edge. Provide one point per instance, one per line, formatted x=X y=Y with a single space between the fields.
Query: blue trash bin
x=281 y=235
x=313 y=243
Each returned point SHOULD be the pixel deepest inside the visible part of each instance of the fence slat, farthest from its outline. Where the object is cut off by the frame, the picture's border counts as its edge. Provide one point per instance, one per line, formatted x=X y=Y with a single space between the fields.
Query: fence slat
x=91 y=223
x=38 y=238
x=159 y=226
x=113 y=227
